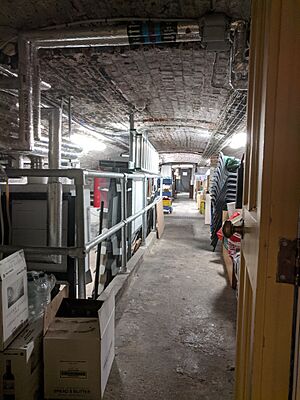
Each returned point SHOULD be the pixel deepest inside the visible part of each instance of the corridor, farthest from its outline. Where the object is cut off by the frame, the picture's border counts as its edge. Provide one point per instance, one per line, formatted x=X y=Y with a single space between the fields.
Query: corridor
x=175 y=325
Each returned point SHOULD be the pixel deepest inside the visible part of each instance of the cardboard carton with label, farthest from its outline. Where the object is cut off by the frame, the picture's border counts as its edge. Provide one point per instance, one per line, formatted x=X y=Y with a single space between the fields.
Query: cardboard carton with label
x=14 y=299
x=21 y=365
x=79 y=348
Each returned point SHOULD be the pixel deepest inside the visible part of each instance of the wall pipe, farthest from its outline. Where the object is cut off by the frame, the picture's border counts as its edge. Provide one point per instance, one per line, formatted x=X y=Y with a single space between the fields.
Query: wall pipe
x=118 y=21
x=36 y=100
x=116 y=35
x=8 y=73
x=66 y=146
x=55 y=192
x=138 y=150
x=122 y=35
x=42 y=151
x=73 y=173
x=26 y=137
x=55 y=137
x=97 y=174
x=132 y=142
x=80 y=238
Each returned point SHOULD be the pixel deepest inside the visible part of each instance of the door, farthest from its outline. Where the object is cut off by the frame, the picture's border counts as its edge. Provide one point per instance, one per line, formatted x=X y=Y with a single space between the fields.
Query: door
x=185 y=180
x=271 y=201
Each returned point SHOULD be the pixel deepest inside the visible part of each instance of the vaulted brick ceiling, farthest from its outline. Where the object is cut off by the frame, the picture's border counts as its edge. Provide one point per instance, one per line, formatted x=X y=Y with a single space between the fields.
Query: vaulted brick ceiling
x=182 y=87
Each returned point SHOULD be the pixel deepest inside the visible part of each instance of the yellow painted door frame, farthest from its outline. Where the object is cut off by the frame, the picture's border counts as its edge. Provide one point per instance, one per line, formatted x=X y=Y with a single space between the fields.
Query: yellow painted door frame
x=271 y=201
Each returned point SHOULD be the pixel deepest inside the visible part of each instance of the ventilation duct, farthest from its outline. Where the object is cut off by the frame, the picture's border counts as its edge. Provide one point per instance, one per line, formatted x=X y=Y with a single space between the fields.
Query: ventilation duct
x=215 y=32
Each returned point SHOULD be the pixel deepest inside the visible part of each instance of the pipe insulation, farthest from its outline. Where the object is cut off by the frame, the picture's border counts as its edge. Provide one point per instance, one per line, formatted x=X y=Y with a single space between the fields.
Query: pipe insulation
x=55 y=138
x=10 y=74
x=55 y=192
x=132 y=143
x=36 y=100
x=138 y=150
x=142 y=32
x=66 y=154
x=66 y=144
x=26 y=137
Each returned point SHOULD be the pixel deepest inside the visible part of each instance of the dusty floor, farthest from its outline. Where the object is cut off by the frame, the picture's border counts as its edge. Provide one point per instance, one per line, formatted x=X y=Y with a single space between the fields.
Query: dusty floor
x=175 y=328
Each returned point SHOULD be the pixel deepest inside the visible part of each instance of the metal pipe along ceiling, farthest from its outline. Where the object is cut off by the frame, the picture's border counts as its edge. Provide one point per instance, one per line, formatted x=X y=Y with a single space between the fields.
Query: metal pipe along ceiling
x=137 y=33
x=132 y=142
x=55 y=191
x=55 y=138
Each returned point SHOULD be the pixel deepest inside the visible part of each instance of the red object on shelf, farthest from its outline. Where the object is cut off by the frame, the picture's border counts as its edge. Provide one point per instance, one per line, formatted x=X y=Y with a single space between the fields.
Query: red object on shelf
x=100 y=195
x=97 y=195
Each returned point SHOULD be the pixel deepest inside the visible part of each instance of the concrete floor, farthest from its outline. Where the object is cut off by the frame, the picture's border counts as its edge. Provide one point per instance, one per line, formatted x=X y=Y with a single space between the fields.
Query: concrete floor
x=175 y=332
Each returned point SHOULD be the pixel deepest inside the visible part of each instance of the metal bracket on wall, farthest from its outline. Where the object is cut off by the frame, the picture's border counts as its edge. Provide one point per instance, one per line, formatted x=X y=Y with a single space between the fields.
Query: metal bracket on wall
x=288 y=264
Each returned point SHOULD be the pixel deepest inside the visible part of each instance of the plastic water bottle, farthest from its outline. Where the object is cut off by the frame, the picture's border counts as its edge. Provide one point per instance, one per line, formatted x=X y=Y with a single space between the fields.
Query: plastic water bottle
x=40 y=286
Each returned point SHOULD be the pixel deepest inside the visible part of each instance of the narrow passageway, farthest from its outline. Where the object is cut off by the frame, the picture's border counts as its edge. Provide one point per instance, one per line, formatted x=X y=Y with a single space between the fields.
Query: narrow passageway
x=175 y=332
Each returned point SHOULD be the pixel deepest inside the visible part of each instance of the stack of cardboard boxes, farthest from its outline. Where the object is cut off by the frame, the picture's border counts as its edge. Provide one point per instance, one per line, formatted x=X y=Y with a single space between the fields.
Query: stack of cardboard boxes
x=67 y=354
x=21 y=344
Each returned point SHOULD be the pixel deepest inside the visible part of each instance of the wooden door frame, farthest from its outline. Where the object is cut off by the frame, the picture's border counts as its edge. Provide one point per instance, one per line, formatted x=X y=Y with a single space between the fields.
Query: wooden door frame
x=263 y=350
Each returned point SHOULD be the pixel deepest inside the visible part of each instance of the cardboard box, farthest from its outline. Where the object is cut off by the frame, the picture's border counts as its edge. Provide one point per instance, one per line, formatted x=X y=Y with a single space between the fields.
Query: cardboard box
x=14 y=299
x=21 y=365
x=229 y=268
x=79 y=349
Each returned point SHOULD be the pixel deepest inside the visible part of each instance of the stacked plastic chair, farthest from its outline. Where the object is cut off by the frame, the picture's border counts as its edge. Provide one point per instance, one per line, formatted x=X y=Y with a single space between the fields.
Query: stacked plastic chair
x=223 y=190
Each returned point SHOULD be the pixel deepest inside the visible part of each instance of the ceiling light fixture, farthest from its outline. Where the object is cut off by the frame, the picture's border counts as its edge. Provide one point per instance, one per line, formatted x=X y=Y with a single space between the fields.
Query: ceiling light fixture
x=239 y=140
